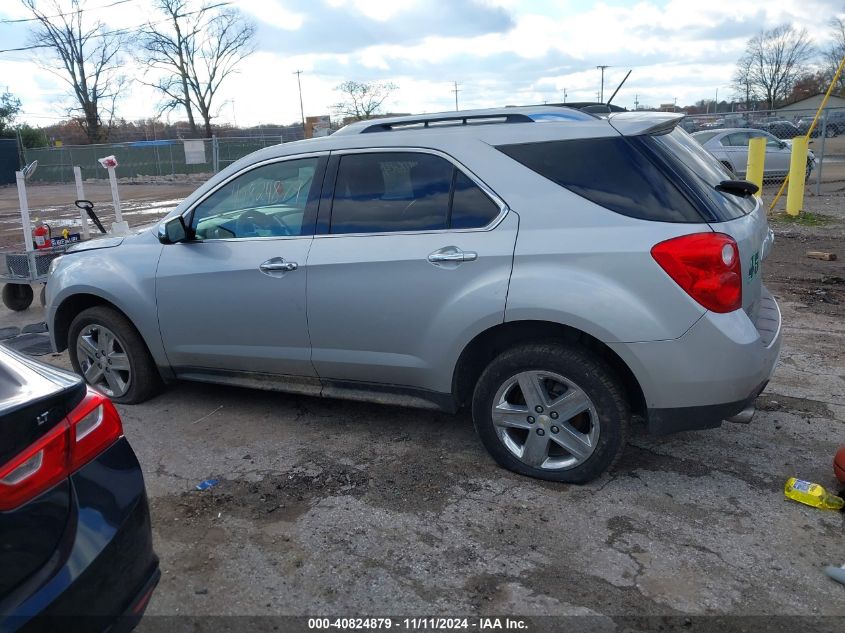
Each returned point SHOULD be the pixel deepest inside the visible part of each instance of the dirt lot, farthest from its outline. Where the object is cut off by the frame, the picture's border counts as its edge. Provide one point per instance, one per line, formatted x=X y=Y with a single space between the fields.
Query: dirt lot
x=140 y=204
x=336 y=508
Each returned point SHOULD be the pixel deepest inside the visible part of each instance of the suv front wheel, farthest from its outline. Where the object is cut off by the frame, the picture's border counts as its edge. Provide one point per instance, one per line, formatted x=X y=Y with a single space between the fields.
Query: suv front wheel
x=106 y=350
x=551 y=411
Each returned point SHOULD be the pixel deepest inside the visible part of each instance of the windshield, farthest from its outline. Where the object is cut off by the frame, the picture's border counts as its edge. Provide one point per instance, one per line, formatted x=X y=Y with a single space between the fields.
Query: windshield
x=703 y=172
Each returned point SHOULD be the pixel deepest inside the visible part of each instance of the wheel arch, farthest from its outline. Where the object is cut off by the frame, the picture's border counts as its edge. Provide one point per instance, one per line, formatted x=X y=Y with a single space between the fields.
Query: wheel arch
x=488 y=344
x=70 y=307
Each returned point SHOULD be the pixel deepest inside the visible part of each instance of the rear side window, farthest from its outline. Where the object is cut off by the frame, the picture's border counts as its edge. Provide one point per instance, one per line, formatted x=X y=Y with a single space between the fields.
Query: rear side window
x=611 y=172
x=378 y=193
x=383 y=192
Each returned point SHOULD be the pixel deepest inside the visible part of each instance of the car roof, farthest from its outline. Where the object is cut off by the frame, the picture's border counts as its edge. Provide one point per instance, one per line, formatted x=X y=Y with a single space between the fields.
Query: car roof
x=457 y=132
x=443 y=120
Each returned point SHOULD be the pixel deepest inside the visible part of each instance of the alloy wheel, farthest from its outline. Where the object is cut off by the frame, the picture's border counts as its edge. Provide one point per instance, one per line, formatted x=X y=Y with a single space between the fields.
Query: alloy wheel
x=103 y=360
x=545 y=420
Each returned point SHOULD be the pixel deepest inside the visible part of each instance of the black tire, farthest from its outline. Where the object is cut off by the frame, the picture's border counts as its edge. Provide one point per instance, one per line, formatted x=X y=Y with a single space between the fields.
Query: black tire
x=42 y=296
x=145 y=380
x=17 y=297
x=809 y=170
x=586 y=370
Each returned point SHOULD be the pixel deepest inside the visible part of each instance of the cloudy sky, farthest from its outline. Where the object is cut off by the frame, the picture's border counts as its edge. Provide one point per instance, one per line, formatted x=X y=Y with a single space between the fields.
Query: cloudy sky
x=499 y=51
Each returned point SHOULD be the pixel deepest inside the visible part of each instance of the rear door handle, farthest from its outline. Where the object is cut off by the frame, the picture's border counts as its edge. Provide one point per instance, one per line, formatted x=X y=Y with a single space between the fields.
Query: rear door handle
x=277 y=265
x=452 y=254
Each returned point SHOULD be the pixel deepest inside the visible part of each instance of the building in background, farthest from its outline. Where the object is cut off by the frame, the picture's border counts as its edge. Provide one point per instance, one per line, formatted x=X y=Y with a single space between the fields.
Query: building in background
x=807 y=107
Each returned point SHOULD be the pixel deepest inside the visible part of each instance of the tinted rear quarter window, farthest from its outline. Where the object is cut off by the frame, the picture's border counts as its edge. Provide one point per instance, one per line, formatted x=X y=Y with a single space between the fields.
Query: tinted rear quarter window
x=611 y=172
x=471 y=207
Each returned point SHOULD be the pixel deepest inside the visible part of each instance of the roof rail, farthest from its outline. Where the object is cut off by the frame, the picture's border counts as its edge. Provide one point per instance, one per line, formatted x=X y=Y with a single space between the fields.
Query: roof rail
x=457 y=119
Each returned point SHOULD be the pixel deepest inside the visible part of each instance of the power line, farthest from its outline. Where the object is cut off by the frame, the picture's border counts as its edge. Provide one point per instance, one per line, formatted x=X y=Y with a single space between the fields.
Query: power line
x=61 y=15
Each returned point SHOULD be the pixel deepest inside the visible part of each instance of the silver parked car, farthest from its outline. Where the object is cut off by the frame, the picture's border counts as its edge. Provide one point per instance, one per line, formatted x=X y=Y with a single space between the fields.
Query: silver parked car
x=554 y=272
x=730 y=147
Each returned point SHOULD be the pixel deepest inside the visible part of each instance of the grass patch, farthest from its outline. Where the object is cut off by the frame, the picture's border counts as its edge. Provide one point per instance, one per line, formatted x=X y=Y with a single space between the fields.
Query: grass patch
x=805 y=218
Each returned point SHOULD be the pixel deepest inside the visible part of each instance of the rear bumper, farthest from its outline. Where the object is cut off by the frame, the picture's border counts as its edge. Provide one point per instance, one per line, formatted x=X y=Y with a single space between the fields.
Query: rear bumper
x=711 y=373
x=103 y=566
x=710 y=416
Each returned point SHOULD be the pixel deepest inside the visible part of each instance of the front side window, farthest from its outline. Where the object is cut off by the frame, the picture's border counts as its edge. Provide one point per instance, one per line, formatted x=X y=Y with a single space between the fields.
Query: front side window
x=268 y=201
x=405 y=191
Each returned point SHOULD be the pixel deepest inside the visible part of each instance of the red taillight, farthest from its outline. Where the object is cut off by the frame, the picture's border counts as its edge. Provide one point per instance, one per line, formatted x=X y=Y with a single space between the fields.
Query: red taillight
x=706 y=266
x=87 y=431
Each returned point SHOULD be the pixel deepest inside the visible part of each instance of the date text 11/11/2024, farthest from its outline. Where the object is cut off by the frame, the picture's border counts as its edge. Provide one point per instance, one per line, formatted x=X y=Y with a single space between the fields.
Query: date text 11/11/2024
x=418 y=624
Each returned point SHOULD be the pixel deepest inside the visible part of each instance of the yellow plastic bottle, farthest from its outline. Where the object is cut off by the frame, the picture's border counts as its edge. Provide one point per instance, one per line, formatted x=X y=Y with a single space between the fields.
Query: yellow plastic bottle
x=812 y=494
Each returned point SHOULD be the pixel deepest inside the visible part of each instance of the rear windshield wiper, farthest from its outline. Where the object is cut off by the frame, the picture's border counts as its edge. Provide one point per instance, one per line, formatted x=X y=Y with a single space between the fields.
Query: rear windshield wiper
x=742 y=188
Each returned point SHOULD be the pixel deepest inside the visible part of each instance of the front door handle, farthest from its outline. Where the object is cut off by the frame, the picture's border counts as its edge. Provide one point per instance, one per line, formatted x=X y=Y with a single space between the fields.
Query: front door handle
x=277 y=265
x=452 y=255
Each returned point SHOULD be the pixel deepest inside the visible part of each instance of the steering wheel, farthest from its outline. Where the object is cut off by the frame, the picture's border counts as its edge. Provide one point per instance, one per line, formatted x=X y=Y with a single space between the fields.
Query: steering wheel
x=251 y=220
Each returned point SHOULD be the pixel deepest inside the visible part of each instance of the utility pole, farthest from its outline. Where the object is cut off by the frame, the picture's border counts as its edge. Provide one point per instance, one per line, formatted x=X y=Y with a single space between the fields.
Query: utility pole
x=564 y=95
x=636 y=102
x=456 y=90
x=601 y=98
x=301 y=109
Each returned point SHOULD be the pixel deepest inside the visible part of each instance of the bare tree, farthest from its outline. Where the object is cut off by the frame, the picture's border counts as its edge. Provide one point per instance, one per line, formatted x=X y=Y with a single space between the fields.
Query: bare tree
x=774 y=59
x=742 y=84
x=834 y=52
x=85 y=55
x=192 y=52
x=362 y=100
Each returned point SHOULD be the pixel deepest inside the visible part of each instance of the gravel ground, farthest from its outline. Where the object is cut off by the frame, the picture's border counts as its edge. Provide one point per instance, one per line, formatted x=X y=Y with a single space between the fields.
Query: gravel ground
x=327 y=507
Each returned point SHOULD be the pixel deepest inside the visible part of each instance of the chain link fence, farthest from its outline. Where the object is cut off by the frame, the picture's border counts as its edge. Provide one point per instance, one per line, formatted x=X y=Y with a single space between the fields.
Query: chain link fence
x=726 y=134
x=144 y=161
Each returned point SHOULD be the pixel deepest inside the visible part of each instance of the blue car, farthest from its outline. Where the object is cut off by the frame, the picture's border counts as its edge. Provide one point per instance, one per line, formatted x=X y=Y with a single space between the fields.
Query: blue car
x=76 y=549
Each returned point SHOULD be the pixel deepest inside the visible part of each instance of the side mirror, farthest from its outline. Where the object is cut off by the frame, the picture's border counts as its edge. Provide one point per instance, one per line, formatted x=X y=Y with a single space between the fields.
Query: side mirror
x=173 y=231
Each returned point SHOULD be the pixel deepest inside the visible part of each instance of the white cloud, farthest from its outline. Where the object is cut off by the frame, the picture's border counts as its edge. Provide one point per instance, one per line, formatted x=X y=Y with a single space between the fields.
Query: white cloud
x=274 y=13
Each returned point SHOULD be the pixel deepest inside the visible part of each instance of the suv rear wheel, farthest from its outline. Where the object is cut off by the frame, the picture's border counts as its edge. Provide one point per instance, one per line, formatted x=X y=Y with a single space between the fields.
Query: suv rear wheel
x=106 y=350
x=551 y=411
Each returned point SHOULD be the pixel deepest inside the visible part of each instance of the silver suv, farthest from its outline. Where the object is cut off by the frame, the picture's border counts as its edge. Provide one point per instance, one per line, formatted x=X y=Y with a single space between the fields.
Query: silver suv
x=555 y=272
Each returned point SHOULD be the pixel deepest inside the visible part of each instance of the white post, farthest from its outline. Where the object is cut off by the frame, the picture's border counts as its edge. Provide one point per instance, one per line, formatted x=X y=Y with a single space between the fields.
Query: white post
x=25 y=221
x=119 y=227
x=80 y=195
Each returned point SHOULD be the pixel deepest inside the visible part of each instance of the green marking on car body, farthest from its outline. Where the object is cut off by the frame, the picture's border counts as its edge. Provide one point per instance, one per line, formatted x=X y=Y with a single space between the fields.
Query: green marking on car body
x=754 y=266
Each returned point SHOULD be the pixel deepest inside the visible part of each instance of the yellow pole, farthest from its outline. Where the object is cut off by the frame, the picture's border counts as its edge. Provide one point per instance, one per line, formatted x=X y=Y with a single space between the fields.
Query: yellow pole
x=797 y=173
x=756 y=161
x=812 y=127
